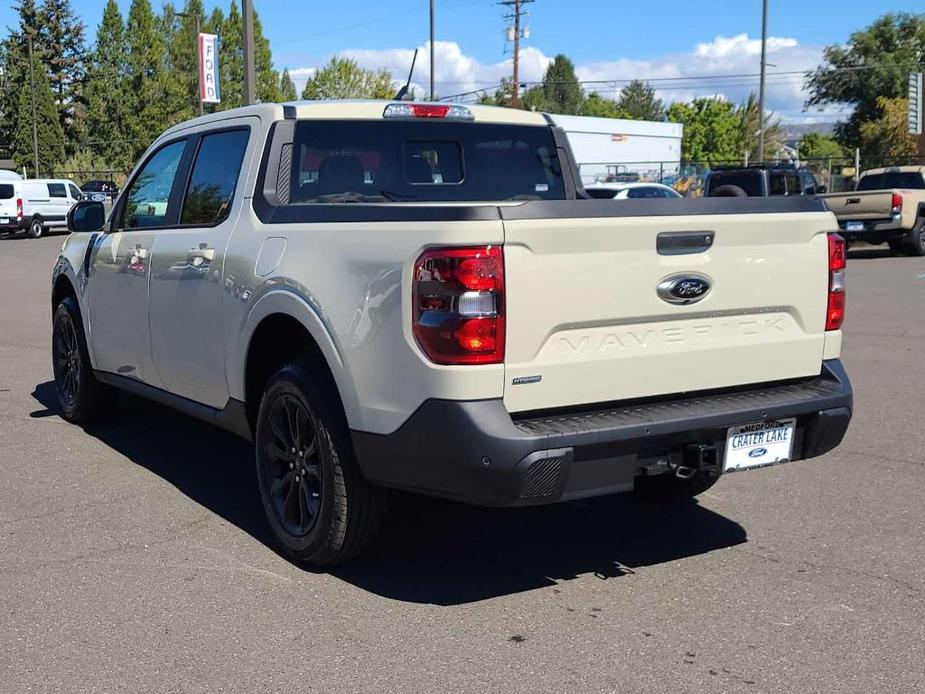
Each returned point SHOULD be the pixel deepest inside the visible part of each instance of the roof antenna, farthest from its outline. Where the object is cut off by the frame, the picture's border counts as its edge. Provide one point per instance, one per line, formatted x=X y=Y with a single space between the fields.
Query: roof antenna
x=403 y=92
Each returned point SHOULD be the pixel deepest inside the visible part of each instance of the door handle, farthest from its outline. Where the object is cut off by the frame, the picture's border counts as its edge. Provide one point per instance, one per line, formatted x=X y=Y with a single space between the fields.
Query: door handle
x=202 y=253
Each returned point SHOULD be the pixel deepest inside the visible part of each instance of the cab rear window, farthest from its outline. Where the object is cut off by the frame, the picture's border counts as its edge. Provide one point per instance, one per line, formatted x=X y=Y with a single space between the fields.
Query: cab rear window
x=6 y=191
x=392 y=161
x=892 y=179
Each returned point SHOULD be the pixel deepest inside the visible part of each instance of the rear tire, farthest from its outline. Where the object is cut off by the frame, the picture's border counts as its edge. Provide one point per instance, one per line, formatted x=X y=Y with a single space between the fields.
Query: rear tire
x=81 y=396
x=319 y=506
x=668 y=488
x=35 y=228
x=916 y=240
x=897 y=246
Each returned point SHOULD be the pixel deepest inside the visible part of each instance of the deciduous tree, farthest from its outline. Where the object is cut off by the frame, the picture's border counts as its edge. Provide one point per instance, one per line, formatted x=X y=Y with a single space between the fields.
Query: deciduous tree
x=874 y=63
x=886 y=139
x=711 y=127
x=343 y=78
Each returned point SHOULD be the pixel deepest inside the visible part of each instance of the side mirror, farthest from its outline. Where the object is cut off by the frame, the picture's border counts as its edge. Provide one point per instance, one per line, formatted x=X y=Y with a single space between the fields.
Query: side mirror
x=86 y=215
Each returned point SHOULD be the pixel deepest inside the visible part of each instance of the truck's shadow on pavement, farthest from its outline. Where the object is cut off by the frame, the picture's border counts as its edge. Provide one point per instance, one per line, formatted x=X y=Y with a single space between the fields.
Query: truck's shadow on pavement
x=431 y=551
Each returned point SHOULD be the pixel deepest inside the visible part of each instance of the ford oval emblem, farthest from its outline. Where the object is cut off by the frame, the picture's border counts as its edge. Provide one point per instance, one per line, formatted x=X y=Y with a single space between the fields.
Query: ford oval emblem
x=683 y=289
x=757 y=452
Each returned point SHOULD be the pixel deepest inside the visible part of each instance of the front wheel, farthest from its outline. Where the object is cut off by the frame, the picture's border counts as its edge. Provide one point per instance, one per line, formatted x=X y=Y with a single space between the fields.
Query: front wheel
x=320 y=508
x=81 y=397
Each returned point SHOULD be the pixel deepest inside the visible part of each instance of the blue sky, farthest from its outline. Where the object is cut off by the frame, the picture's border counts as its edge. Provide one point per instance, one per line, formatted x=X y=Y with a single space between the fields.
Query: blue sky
x=607 y=39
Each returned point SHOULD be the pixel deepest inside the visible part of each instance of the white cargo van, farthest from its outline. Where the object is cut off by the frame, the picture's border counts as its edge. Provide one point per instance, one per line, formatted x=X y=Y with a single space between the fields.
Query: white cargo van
x=37 y=205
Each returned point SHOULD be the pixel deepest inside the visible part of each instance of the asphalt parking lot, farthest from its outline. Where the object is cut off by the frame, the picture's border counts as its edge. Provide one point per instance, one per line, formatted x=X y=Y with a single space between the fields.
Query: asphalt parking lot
x=133 y=555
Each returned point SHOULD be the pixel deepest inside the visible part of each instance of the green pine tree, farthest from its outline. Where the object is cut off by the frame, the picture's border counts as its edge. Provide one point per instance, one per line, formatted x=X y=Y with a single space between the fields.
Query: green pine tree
x=287 y=90
x=266 y=78
x=561 y=90
x=50 y=135
x=13 y=52
x=182 y=59
x=147 y=59
x=638 y=101
x=64 y=54
x=231 y=59
x=106 y=93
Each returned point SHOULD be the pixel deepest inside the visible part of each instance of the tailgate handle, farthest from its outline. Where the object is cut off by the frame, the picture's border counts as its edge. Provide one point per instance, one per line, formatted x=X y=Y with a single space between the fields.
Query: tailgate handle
x=683 y=242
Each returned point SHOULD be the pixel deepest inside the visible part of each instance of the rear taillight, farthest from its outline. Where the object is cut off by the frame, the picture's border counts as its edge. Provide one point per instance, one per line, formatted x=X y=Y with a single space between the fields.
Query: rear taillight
x=458 y=297
x=19 y=207
x=897 y=204
x=835 y=311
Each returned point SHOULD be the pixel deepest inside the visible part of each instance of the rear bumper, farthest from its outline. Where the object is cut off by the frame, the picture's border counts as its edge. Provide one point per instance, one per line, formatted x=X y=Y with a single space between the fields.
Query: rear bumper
x=13 y=224
x=876 y=230
x=473 y=451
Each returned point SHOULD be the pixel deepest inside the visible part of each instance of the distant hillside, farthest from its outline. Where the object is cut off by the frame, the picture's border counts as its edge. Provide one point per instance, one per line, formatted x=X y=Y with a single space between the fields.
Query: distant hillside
x=795 y=131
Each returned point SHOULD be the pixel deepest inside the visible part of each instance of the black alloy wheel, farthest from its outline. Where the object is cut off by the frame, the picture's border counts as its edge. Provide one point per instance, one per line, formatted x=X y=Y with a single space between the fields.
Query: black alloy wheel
x=292 y=466
x=66 y=360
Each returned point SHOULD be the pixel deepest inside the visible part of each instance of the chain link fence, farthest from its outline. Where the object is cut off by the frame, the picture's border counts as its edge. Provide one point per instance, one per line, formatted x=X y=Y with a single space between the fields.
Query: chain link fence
x=837 y=174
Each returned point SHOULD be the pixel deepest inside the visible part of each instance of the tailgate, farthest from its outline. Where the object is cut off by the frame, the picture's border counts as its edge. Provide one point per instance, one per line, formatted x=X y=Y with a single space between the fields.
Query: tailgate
x=864 y=205
x=586 y=323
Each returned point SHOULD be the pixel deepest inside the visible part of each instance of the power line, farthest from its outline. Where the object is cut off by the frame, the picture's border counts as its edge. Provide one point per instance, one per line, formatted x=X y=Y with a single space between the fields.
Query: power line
x=742 y=79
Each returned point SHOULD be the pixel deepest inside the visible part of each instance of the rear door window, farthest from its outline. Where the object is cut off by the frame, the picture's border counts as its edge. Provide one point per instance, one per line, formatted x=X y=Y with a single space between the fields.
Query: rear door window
x=403 y=161
x=56 y=190
x=214 y=178
x=793 y=184
x=777 y=184
x=6 y=191
x=749 y=181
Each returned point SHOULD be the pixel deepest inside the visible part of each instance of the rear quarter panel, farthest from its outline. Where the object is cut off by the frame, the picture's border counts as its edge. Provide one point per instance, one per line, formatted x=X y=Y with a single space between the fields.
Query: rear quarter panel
x=349 y=283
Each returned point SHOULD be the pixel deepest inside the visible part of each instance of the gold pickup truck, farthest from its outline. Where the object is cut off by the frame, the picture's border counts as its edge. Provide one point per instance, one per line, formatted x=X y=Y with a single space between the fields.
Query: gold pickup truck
x=888 y=206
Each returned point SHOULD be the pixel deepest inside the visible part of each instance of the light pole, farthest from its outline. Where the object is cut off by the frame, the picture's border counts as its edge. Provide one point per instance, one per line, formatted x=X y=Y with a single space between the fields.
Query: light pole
x=35 y=132
x=247 y=15
x=431 y=50
x=198 y=21
x=764 y=64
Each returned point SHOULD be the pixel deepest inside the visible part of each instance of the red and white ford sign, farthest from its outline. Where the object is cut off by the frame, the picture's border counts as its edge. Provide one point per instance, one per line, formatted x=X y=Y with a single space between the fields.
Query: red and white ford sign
x=209 y=92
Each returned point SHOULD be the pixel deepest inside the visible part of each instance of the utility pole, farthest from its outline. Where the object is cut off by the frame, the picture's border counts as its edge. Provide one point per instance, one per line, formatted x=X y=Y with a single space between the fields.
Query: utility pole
x=764 y=64
x=198 y=20
x=432 y=92
x=247 y=15
x=35 y=132
x=515 y=35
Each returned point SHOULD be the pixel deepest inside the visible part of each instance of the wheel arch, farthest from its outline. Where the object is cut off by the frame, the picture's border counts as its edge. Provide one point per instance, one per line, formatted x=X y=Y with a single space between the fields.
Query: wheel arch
x=279 y=328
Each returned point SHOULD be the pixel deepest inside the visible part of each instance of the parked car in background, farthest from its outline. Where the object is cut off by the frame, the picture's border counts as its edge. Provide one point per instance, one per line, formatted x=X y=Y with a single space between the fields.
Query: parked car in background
x=7 y=175
x=888 y=206
x=36 y=205
x=759 y=181
x=100 y=190
x=418 y=296
x=628 y=191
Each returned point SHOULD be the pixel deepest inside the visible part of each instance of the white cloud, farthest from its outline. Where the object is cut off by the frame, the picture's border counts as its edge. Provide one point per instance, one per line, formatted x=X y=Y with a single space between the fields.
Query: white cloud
x=457 y=72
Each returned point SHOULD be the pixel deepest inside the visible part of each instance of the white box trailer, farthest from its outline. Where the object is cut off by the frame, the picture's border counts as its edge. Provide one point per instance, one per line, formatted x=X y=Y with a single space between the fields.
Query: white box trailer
x=626 y=149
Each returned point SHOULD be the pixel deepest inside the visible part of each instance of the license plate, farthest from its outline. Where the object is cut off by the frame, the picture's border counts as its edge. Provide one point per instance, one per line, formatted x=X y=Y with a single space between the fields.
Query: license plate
x=4 y=220
x=854 y=226
x=759 y=444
